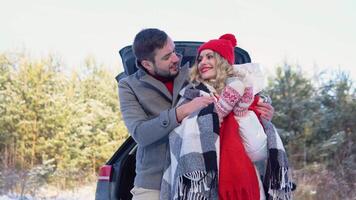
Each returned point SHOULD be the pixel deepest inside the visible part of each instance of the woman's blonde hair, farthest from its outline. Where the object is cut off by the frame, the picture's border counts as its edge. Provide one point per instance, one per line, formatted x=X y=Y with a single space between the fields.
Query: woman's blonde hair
x=223 y=71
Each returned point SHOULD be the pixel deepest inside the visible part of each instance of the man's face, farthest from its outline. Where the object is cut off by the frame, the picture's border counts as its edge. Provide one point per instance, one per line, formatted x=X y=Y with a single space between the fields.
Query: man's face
x=166 y=61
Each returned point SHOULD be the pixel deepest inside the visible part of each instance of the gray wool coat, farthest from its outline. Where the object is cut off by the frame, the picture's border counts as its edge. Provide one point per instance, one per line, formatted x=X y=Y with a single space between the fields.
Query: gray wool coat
x=148 y=110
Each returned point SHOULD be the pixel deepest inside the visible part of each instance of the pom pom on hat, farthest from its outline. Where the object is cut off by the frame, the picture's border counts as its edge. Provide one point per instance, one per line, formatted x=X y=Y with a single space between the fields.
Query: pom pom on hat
x=229 y=37
x=224 y=46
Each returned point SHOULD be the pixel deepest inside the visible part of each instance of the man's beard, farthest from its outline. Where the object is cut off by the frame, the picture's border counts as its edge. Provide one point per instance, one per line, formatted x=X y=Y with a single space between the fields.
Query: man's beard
x=165 y=74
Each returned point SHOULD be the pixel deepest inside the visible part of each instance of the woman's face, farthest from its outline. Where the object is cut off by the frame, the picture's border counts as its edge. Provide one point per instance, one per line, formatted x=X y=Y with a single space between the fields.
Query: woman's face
x=207 y=64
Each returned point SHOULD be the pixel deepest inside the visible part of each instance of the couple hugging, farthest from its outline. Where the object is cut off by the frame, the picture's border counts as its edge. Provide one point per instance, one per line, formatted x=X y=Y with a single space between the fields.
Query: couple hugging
x=201 y=132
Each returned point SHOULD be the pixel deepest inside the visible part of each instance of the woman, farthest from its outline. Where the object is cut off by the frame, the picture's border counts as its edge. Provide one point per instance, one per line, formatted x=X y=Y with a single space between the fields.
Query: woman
x=237 y=85
x=196 y=171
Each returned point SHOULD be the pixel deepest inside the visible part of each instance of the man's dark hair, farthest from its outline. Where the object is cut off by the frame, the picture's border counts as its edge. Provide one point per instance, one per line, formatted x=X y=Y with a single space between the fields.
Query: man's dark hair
x=146 y=42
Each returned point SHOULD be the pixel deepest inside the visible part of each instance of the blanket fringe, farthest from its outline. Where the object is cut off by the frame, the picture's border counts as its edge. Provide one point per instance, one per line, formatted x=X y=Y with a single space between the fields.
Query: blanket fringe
x=196 y=185
x=280 y=187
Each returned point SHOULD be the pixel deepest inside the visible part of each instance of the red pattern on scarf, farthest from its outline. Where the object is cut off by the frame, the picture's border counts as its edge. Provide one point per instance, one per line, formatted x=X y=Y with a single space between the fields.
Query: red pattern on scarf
x=237 y=174
x=253 y=107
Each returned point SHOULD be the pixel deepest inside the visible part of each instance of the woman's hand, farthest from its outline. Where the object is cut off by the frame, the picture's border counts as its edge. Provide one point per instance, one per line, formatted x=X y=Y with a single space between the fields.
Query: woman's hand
x=192 y=106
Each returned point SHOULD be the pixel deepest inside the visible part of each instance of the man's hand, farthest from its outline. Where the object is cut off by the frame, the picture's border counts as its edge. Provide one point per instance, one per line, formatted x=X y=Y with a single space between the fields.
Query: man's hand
x=265 y=109
x=192 y=106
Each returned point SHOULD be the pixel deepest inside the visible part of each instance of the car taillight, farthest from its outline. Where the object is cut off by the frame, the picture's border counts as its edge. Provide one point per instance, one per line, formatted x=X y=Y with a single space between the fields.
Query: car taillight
x=105 y=173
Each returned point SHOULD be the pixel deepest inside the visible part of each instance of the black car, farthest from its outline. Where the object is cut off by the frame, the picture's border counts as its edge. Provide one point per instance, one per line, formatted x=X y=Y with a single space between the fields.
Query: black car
x=116 y=177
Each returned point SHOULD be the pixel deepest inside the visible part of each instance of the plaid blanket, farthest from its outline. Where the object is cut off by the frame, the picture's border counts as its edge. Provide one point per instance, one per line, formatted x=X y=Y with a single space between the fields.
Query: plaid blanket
x=277 y=179
x=192 y=170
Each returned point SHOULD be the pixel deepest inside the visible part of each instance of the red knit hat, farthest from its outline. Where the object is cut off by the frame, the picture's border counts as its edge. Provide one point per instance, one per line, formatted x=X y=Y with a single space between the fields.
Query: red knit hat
x=224 y=46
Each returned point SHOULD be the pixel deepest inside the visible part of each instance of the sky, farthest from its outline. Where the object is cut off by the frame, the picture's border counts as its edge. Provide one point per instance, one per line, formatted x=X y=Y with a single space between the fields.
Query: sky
x=315 y=34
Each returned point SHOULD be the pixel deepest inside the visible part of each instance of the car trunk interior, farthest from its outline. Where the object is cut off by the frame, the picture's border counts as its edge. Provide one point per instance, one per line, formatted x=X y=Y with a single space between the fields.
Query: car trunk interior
x=127 y=176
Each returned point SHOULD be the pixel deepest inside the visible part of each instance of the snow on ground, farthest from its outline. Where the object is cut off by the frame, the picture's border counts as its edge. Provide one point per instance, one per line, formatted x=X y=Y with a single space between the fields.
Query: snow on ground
x=83 y=193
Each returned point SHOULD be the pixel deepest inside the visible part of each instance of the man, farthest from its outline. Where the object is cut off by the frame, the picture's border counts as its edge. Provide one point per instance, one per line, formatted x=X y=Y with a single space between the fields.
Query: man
x=148 y=98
